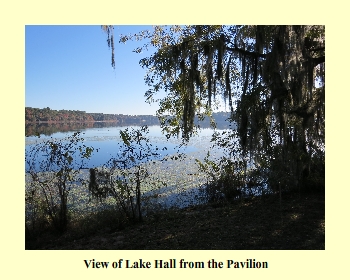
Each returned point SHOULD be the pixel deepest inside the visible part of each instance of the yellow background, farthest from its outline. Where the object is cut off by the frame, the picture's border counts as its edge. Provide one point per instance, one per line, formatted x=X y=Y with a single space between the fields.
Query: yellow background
x=16 y=263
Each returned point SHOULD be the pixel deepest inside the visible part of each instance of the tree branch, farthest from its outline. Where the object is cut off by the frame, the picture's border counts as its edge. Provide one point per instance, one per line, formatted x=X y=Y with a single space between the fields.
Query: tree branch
x=318 y=60
x=245 y=52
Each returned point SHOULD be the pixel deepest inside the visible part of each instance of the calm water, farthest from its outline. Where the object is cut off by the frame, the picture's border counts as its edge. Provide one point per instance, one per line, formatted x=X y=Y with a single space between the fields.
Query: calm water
x=108 y=142
x=184 y=188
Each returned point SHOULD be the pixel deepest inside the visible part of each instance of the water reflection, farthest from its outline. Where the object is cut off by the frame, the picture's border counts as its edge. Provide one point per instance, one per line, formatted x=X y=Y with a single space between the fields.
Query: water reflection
x=106 y=139
x=185 y=182
x=49 y=129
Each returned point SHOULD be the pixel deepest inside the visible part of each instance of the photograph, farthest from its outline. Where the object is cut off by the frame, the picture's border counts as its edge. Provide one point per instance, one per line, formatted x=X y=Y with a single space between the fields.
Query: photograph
x=174 y=137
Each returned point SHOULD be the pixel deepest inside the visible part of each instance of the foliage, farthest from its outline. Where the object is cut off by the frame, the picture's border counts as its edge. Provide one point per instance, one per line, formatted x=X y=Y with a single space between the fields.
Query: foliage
x=123 y=177
x=273 y=78
x=282 y=164
x=49 y=115
x=52 y=170
x=225 y=184
x=231 y=175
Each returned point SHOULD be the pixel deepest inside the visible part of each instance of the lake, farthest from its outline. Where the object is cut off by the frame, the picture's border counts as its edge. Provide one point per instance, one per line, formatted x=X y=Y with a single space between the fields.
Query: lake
x=181 y=176
x=107 y=140
x=183 y=179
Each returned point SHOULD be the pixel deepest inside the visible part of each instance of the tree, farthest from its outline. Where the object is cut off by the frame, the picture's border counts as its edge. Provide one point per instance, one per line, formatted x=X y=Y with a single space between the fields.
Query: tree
x=273 y=78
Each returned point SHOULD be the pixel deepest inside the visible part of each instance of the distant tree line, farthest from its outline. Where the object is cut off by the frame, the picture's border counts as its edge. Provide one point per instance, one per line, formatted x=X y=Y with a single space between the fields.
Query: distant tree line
x=36 y=116
x=48 y=129
x=47 y=115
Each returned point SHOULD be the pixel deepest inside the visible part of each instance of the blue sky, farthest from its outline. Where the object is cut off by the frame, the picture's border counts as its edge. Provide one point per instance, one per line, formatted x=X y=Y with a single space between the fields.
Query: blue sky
x=69 y=67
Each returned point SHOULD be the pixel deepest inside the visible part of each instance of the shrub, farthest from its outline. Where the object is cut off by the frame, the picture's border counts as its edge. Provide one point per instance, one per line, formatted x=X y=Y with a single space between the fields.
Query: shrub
x=123 y=177
x=52 y=170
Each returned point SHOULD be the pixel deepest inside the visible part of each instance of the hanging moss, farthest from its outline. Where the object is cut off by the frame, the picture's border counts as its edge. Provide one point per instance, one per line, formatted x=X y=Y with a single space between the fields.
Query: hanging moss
x=274 y=70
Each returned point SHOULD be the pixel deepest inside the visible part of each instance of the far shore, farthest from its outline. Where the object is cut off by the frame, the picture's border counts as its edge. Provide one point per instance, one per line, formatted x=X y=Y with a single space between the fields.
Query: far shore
x=64 y=122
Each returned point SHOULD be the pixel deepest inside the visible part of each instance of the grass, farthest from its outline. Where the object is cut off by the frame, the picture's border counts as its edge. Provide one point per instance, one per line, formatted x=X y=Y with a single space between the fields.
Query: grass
x=259 y=223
